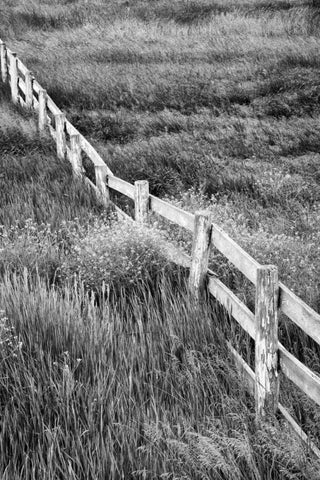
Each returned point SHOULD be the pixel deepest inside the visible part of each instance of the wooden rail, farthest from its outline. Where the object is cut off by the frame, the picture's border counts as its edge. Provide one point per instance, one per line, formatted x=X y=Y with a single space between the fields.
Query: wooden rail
x=271 y=358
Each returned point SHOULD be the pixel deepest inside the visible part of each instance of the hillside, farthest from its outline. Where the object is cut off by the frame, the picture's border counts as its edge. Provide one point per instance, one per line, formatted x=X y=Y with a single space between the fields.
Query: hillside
x=110 y=370
x=196 y=97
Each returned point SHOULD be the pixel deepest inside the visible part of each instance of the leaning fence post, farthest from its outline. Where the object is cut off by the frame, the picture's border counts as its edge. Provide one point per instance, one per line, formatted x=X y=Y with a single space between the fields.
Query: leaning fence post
x=101 y=183
x=42 y=119
x=14 y=77
x=200 y=252
x=75 y=154
x=29 y=89
x=141 y=201
x=3 y=59
x=60 y=121
x=266 y=342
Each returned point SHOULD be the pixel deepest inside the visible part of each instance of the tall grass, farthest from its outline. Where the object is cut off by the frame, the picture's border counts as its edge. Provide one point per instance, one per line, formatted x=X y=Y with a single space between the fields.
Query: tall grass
x=127 y=389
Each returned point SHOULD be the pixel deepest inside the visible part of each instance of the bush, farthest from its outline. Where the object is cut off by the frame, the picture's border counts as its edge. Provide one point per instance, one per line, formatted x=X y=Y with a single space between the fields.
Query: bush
x=119 y=255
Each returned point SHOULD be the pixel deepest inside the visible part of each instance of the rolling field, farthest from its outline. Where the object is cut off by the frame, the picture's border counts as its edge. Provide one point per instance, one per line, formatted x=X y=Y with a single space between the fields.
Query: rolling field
x=108 y=370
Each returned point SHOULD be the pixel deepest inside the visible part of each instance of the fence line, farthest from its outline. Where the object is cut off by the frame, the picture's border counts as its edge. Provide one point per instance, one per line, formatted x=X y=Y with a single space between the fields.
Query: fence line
x=271 y=358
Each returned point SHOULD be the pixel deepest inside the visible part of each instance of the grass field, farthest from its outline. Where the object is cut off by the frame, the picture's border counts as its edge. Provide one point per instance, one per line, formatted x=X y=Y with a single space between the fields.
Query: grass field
x=107 y=368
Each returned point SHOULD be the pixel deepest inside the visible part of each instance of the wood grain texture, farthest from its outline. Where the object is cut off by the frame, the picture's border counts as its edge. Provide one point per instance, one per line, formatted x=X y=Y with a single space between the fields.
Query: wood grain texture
x=101 y=172
x=52 y=107
x=200 y=253
x=22 y=85
x=3 y=60
x=121 y=186
x=60 y=119
x=42 y=110
x=233 y=252
x=238 y=310
x=93 y=154
x=36 y=86
x=21 y=67
x=299 y=374
x=141 y=201
x=14 y=77
x=75 y=154
x=266 y=342
x=299 y=312
x=29 y=90
x=172 y=213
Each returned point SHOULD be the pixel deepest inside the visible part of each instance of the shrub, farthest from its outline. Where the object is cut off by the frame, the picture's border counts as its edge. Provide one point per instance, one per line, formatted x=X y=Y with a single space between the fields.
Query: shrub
x=118 y=255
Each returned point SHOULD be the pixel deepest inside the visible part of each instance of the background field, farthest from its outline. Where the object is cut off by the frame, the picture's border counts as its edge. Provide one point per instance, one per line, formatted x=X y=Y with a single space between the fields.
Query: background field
x=217 y=105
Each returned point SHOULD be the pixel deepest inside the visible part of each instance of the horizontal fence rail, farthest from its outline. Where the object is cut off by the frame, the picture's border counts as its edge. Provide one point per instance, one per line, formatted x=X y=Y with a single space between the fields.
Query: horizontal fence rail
x=172 y=213
x=271 y=358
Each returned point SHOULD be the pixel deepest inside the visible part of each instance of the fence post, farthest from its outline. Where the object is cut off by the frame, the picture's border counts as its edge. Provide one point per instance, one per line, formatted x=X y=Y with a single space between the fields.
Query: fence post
x=75 y=154
x=3 y=59
x=101 y=183
x=42 y=119
x=14 y=77
x=266 y=342
x=29 y=89
x=200 y=253
x=141 y=201
x=60 y=120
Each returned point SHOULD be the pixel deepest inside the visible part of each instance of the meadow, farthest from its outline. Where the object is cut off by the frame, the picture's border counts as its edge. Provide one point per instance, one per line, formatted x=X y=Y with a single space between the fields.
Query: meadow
x=108 y=369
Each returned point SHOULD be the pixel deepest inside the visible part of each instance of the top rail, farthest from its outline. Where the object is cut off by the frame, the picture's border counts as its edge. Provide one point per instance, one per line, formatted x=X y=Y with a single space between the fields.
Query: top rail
x=239 y=257
x=121 y=186
x=23 y=69
x=71 y=129
x=172 y=213
x=93 y=155
x=36 y=86
x=52 y=106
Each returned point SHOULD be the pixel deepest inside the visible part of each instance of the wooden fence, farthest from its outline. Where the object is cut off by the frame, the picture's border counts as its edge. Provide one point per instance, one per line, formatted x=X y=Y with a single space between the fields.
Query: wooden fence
x=272 y=297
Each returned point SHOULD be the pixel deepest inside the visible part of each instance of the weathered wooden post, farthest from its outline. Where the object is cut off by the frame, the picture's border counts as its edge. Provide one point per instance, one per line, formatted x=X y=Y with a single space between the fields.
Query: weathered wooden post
x=266 y=342
x=60 y=121
x=42 y=114
x=29 y=89
x=101 y=183
x=75 y=154
x=141 y=201
x=14 y=77
x=3 y=59
x=200 y=253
